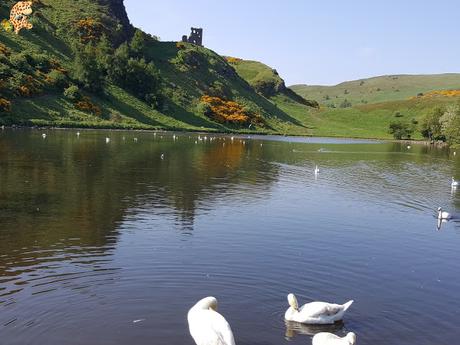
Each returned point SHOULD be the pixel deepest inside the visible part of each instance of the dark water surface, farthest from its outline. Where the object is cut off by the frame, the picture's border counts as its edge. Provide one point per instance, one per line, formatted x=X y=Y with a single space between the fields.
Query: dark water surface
x=108 y=243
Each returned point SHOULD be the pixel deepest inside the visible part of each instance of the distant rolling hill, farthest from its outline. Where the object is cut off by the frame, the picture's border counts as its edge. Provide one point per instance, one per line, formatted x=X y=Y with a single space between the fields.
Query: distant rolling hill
x=378 y=89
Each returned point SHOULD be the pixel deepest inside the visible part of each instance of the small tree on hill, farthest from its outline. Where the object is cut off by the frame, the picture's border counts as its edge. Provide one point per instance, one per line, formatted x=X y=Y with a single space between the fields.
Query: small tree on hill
x=450 y=124
x=400 y=130
x=430 y=126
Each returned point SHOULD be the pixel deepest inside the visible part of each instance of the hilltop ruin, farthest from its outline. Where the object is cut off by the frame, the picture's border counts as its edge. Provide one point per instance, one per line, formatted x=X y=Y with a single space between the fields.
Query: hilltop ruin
x=196 y=37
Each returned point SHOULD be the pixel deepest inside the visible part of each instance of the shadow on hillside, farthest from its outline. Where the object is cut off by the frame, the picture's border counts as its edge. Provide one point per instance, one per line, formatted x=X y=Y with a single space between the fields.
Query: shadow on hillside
x=274 y=111
x=9 y=42
x=42 y=108
x=185 y=116
x=129 y=111
x=40 y=36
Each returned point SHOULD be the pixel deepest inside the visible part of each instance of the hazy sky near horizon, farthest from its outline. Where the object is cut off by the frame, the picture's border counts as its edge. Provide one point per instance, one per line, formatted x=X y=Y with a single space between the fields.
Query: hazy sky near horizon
x=317 y=42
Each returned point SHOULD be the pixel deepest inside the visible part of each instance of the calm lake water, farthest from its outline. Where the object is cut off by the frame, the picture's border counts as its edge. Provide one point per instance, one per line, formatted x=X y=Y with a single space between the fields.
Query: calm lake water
x=108 y=243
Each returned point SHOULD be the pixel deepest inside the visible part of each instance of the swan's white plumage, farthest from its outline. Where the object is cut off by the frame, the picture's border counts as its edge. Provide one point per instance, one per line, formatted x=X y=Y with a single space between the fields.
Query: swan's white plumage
x=443 y=215
x=332 y=339
x=454 y=183
x=207 y=326
x=315 y=312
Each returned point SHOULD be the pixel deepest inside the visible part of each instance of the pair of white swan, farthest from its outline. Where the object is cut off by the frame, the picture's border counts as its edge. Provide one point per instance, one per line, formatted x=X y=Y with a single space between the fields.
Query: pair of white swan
x=208 y=327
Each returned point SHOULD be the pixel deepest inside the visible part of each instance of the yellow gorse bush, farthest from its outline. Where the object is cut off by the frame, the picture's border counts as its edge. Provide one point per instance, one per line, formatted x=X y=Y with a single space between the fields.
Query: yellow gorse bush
x=233 y=60
x=89 y=30
x=5 y=105
x=440 y=93
x=229 y=111
x=87 y=106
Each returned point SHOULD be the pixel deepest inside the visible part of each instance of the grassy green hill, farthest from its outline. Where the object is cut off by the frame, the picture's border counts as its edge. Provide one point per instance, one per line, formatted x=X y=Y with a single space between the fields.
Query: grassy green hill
x=83 y=64
x=378 y=89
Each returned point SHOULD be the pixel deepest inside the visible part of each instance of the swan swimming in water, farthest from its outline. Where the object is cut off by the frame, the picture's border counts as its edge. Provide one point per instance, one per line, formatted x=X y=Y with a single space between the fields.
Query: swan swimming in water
x=207 y=326
x=44 y=136
x=443 y=215
x=107 y=140
x=315 y=313
x=332 y=339
x=454 y=183
x=316 y=170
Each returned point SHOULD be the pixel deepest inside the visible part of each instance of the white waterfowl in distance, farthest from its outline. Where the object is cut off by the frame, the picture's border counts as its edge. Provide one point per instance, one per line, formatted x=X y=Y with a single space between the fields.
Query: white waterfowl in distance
x=207 y=326
x=443 y=215
x=315 y=313
x=454 y=183
x=332 y=339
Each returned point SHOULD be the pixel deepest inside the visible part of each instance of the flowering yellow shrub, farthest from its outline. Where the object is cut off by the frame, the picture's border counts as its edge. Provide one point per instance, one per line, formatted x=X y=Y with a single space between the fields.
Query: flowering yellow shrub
x=445 y=93
x=180 y=45
x=87 y=106
x=57 y=66
x=89 y=29
x=29 y=88
x=5 y=105
x=4 y=50
x=229 y=111
x=233 y=60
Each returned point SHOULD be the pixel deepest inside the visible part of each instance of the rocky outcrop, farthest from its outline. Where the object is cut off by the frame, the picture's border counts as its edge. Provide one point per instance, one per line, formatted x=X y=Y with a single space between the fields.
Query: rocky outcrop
x=116 y=9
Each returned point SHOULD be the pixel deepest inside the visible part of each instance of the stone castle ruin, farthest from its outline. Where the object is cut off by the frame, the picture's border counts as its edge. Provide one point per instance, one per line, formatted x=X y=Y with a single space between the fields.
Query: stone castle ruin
x=196 y=37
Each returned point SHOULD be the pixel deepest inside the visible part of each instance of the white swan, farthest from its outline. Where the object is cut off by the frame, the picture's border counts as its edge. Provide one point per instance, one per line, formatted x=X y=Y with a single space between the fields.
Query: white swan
x=107 y=140
x=315 y=313
x=332 y=339
x=44 y=136
x=316 y=170
x=443 y=215
x=207 y=326
x=454 y=183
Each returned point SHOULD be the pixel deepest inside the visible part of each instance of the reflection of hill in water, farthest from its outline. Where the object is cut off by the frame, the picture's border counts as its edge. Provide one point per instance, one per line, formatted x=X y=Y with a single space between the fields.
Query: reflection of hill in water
x=62 y=198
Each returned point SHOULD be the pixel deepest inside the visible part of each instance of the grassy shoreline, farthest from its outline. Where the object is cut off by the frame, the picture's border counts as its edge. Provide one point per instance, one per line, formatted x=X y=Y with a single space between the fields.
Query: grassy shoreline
x=204 y=131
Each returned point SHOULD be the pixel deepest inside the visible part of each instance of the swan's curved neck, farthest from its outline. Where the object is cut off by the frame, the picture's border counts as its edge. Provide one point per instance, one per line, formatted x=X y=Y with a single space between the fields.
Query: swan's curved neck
x=206 y=304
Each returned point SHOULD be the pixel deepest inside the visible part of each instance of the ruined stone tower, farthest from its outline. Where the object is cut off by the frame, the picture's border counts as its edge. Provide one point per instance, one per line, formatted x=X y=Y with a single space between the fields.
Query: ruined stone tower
x=196 y=37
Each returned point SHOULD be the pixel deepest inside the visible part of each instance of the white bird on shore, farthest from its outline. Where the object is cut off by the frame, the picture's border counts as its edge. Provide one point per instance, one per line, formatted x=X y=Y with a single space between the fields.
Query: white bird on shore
x=315 y=313
x=207 y=326
x=44 y=136
x=454 y=183
x=443 y=215
x=331 y=339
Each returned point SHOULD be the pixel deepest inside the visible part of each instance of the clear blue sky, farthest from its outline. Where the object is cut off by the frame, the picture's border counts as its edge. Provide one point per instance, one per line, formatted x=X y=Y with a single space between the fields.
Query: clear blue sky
x=317 y=42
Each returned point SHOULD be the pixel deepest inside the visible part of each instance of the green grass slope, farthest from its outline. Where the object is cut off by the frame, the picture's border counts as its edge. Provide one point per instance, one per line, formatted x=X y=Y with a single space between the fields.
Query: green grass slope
x=378 y=89
x=187 y=74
